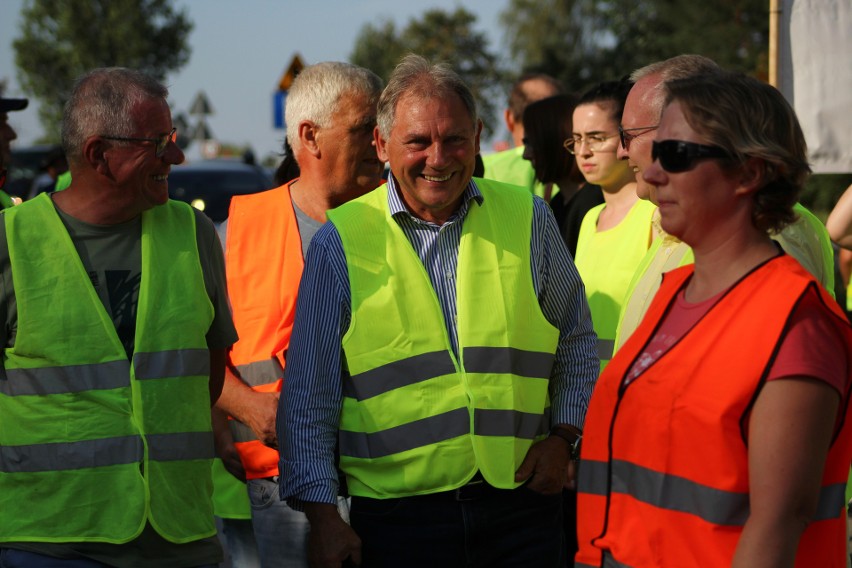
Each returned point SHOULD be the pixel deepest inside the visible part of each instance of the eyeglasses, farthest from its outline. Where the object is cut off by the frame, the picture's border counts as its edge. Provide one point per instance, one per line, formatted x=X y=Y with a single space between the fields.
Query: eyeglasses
x=595 y=143
x=161 y=143
x=678 y=156
x=625 y=136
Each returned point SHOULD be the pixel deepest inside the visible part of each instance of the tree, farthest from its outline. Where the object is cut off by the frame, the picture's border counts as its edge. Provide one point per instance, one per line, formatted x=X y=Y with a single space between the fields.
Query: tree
x=582 y=42
x=437 y=36
x=62 y=39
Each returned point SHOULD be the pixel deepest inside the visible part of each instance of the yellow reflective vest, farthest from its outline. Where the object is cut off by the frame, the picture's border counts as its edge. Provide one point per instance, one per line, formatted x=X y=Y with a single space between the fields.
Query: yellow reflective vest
x=93 y=446
x=416 y=419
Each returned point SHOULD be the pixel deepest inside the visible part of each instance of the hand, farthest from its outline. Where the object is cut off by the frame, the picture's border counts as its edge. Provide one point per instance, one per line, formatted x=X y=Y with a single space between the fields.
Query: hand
x=261 y=418
x=224 y=443
x=548 y=463
x=331 y=540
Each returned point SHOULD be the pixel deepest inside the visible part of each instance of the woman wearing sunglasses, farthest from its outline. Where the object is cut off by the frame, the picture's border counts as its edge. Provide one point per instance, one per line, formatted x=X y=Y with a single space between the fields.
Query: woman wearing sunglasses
x=615 y=235
x=716 y=436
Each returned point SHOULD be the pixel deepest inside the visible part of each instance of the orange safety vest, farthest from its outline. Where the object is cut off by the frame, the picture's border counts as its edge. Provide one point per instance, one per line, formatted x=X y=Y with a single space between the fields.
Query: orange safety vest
x=263 y=261
x=663 y=478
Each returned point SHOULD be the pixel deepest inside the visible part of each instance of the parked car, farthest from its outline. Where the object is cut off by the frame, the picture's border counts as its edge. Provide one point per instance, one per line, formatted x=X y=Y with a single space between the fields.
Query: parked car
x=209 y=185
x=25 y=165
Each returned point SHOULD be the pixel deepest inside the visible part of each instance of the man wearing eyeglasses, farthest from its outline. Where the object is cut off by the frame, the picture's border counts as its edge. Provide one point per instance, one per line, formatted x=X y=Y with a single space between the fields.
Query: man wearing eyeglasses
x=116 y=324
x=806 y=240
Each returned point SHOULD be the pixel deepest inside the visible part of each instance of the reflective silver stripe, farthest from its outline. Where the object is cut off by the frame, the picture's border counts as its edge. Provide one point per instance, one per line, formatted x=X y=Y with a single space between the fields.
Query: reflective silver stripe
x=241 y=432
x=509 y=423
x=508 y=360
x=610 y=562
x=65 y=379
x=182 y=446
x=584 y=565
x=605 y=348
x=405 y=437
x=261 y=372
x=676 y=493
x=175 y=363
x=592 y=477
x=398 y=374
x=71 y=455
x=832 y=500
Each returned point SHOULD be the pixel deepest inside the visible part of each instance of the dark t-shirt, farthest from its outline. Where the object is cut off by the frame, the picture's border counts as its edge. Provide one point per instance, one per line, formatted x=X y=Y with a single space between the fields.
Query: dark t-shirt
x=569 y=215
x=112 y=257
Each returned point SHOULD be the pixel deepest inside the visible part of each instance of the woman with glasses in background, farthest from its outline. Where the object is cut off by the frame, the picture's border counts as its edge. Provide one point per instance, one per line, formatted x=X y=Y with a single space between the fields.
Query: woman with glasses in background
x=614 y=236
x=547 y=125
x=717 y=435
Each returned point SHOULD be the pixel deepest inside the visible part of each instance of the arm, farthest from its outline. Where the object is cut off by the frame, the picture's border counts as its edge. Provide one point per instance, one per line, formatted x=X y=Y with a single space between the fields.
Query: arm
x=790 y=430
x=576 y=365
x=217 y=373
x=311 y=399
x=225 y=449
x=839 y=222
x=257 y=410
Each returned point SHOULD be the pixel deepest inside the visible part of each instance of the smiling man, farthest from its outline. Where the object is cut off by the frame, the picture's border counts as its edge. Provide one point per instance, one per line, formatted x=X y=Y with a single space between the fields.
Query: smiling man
x=115 y=324
x=443 y=337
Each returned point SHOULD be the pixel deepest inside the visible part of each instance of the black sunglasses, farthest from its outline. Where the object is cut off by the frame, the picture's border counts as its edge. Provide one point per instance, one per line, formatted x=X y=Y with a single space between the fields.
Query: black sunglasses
x=678 y=156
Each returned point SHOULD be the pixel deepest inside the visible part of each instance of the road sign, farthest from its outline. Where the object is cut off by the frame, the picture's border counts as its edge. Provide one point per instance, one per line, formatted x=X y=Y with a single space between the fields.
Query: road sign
x=296 y=66
x=200 y=106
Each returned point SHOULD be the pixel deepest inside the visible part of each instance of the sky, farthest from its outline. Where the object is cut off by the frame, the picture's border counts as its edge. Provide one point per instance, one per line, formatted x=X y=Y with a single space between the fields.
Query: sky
x=240 y=50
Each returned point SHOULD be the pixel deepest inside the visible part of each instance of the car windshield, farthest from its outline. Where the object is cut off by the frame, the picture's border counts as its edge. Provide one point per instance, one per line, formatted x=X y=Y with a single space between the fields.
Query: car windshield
x=210 y=190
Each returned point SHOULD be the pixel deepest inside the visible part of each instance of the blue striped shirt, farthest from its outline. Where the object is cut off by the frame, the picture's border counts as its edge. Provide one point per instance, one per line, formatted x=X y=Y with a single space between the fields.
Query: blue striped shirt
x=310 y=403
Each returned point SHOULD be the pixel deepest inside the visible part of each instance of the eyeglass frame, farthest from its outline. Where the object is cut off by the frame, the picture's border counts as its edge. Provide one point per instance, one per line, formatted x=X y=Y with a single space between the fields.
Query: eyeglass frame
x=694 y=152
x=161 y=143
x=571 y=144
x=626 y=138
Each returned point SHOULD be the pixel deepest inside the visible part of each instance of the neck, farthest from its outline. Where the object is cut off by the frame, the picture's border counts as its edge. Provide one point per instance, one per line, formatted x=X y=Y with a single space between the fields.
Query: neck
x=313 y=199
x=720 y=265
x=92 y=207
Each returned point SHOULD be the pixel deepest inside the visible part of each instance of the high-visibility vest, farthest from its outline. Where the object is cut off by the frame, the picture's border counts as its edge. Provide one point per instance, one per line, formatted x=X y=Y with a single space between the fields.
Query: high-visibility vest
x=606 y=261
x=93 y=446
x=263 y=261
x=664 y=477
x=416 y=419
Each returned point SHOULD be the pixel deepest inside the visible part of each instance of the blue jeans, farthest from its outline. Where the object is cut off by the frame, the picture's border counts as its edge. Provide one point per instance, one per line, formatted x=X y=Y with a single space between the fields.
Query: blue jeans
x=237 y=538
x=488 y=528
x=11 y=558
x=281 y=533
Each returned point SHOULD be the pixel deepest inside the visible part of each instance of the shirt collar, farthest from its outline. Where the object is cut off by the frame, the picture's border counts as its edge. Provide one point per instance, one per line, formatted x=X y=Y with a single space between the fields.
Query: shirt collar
x=397 y=207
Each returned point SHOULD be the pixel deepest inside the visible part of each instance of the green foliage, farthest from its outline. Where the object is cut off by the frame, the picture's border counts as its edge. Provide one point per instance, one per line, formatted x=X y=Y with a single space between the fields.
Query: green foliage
x=822 y=191
x=62 y=39
x=437 y=36
x=583 y=42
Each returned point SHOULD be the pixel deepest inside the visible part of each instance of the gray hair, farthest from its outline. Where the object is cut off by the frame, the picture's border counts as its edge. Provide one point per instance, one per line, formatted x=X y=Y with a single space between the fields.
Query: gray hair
x=415 y=75
x=102 y=102
x=316 y=92
x=678 y=67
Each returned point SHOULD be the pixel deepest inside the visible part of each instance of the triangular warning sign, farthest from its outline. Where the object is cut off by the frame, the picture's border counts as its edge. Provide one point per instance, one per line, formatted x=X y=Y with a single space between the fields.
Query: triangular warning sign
x=296 y=66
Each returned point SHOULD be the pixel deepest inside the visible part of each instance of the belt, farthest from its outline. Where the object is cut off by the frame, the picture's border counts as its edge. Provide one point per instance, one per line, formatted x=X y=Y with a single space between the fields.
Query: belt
x=475 y=489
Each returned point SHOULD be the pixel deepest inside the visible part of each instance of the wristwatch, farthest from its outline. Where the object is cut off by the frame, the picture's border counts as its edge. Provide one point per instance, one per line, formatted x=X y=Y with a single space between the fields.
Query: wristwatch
x=572 y=438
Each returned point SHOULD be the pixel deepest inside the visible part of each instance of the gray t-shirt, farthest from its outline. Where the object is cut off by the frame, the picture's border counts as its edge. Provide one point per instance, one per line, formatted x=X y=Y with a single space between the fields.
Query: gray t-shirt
x=112 y=257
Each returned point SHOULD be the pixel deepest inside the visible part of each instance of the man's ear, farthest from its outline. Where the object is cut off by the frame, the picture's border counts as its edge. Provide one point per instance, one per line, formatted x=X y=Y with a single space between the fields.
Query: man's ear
x=381 y=145
x=752 y=176
x=509 y=119
x=478 y=133
x=94 y=154
x=308 y=132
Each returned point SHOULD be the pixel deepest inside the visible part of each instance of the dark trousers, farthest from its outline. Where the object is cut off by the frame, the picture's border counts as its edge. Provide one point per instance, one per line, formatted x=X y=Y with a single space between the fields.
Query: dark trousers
x=474 y=526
